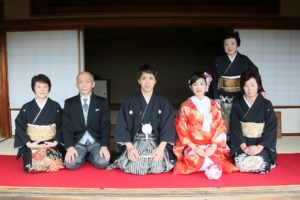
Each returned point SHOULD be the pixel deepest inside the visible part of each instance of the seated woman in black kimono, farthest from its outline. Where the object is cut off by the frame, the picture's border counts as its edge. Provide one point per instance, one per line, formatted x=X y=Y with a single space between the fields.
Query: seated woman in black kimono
x=253 y=128
x=145 y=129
x=38 y=129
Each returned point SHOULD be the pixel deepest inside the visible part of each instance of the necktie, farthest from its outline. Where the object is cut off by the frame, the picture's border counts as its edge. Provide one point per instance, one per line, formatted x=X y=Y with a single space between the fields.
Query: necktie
x=85 y=106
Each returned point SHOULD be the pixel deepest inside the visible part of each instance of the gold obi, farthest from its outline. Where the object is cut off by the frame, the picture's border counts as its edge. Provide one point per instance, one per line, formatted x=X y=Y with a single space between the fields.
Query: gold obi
x=41 y=132
x=252 y=130
x=229 y=84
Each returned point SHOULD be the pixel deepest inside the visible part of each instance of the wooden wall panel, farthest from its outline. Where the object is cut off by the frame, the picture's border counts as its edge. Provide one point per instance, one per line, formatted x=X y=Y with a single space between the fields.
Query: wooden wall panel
x=213 y=22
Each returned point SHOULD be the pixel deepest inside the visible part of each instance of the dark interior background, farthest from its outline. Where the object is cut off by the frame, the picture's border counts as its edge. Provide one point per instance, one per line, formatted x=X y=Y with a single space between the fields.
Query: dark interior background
x=116 y=53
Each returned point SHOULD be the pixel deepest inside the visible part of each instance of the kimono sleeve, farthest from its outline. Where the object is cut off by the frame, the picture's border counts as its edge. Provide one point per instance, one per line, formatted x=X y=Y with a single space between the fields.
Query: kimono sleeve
x=253 y=68
x=269 y=136
x=167 y=125
x=59 y=116
x=218 y=126
x=122 y=133
x=21 y=137
x=236 y=133
x=182 y=126
x=105 y=124
x=215 y=77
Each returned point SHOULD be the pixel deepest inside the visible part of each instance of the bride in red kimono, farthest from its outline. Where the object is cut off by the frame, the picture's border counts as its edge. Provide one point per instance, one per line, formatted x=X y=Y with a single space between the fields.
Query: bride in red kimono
x=201 y=143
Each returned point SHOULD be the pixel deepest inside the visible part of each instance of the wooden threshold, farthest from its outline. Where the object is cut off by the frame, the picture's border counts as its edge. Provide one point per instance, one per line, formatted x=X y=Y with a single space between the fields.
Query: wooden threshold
x=291 y=192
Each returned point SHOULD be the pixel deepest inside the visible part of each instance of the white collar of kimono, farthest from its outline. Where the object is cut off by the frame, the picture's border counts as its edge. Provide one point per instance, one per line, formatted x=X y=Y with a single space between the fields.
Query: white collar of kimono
x=41 y=106
x=232 y=59
x=87 y=97
x=147 y=97
x=247 y=102
x=203 y=106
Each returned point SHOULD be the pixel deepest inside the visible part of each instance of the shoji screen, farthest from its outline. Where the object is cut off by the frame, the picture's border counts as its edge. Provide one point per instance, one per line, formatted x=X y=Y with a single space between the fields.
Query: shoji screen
x=54 y=53
x=277 y=55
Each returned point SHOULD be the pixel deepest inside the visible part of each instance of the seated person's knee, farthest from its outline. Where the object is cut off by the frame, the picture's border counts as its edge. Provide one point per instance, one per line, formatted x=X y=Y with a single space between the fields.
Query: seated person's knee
x=75 y=164
x=100 y=162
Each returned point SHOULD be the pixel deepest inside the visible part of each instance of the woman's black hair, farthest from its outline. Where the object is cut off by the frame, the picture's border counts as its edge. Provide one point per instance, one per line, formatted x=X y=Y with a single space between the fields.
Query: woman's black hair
x=40 y=78
x=246 y=76
x=149 y=69
x=233 y=34
x=195 y=76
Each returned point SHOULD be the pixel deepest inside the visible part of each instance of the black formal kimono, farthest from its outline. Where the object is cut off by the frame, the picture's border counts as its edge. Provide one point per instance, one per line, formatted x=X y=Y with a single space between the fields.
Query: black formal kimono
x=261 y=117
x=50 y=114
x=224 y=67
x=135 y=113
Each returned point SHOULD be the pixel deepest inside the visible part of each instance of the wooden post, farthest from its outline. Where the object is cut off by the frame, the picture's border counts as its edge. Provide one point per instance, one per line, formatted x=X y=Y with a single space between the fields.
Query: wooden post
x=4 y=104
x=279 y=128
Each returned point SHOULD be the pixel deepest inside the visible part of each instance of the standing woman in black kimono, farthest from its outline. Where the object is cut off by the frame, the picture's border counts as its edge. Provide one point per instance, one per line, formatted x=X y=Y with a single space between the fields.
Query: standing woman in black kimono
x=253 y=128
x=226 y=72
x=145 y=129
x=38 y=129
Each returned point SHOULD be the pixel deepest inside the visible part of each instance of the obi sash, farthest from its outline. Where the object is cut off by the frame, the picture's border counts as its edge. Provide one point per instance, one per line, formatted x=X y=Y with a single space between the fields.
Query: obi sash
x=229 y=84
x=41 y=132
x=252 y=130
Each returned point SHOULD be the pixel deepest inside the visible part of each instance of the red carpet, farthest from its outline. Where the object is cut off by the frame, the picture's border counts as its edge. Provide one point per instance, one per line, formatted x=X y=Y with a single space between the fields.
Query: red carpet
x=287 y=172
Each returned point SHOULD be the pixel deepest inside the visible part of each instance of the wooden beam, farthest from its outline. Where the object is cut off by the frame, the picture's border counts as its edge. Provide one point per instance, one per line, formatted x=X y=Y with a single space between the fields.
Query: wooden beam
x=43 y=8
x=228 y=193
x=212 y=22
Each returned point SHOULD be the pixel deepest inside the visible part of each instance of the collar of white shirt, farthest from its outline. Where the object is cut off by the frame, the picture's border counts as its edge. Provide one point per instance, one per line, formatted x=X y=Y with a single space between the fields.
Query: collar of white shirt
x=85 y=97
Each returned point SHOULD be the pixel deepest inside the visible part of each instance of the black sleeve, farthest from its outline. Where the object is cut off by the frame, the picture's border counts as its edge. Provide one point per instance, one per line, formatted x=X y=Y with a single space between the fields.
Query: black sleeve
x=167 y=124
x=122 y=133
x=59 y=116
x=253 y=68
x=215 y=81
x=21 y=137
x=105 y=124
x=236 y=132
x=68 y=135
x=269 y=136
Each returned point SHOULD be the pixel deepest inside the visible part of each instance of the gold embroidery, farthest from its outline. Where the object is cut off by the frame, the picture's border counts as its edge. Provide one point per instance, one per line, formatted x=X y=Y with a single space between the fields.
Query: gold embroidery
x=229 y=85
x=252 y=130
x=41 y=133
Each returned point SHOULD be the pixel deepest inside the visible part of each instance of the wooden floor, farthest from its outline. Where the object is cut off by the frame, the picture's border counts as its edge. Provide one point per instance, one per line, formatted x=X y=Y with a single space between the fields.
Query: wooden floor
x=233 y=193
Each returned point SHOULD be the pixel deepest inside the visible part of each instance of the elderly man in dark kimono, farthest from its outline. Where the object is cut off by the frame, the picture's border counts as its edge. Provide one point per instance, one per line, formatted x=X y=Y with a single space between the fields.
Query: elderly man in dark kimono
x=145 y=129
x=253 y=128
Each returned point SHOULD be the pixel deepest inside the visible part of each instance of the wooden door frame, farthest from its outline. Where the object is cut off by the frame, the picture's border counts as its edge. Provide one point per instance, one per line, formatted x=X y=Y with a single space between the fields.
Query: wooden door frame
x=4 y=97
